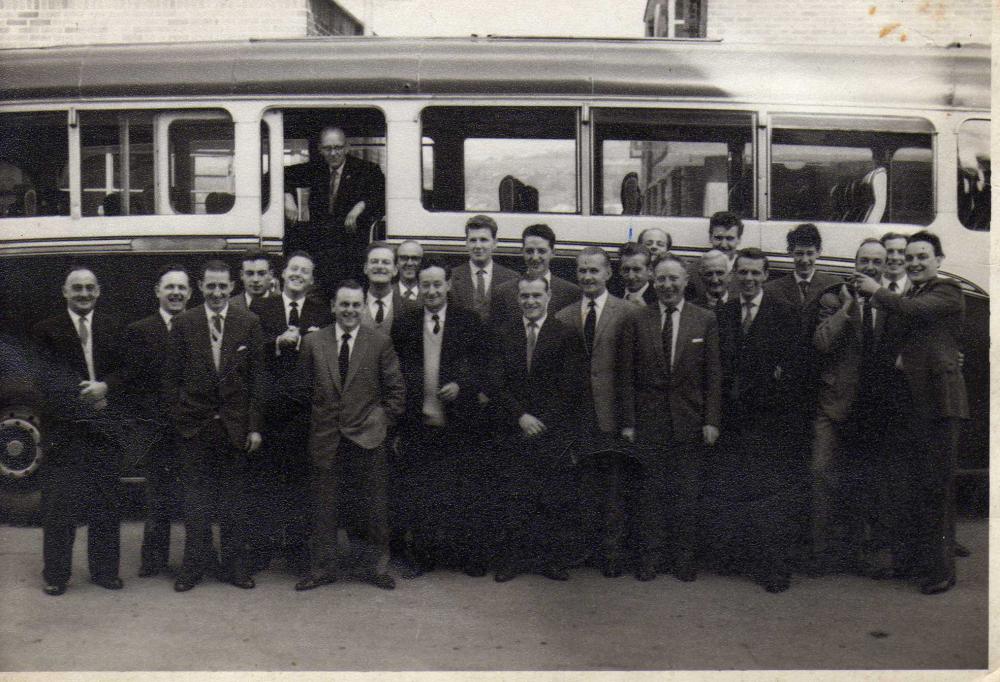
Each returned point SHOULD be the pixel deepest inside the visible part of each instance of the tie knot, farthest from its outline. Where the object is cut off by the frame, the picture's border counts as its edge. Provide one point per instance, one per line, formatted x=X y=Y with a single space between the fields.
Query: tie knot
x=481 y=272
x=532 y=325
x=345 y=337
x=435 y=317
x=670 y=309
x=592 y=304
x=294 y=304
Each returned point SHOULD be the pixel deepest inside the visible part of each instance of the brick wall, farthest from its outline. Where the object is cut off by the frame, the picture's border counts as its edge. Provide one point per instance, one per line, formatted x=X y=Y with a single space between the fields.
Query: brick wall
x=37 y=23
x=848 y=22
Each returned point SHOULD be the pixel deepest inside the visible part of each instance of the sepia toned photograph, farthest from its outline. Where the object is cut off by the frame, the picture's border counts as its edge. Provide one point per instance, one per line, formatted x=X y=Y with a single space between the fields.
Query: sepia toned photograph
x=415 y=336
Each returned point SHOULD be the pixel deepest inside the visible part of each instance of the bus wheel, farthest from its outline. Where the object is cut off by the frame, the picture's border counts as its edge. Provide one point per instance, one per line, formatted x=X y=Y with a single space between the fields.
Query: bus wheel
x=20 y=456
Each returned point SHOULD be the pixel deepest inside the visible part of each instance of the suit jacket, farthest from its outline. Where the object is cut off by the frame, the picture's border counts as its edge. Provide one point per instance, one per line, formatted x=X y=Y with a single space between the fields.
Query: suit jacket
x=749 y=362
x=196 y=393
x=695 y=290
x=463 y=354
x=63 y=366
x=271 y=311
x=842 y=365
x=922 y=329
x=400 y=307
x=504 y=306
x=364 y=406
x=240 y=300
x=359 y=181
x=648 y=296
x=463 y=286
x=691 y=392
x=608 y=387
x=786 y=289
x=551 y=390
x=145 y=355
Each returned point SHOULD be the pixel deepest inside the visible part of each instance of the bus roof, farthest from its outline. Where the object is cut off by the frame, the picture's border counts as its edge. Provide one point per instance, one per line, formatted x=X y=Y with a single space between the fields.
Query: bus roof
x=953 y=77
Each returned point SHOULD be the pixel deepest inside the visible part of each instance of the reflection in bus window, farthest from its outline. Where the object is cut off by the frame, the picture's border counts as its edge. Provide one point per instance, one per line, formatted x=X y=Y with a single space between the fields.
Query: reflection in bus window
x=851 y=176
x=512 y=159
x=34 y=147
x=672 y=162
x=974 y=185
x=117 y=174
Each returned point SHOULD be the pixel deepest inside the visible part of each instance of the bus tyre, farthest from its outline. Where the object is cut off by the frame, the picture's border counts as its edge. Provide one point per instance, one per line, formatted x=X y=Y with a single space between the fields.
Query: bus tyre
x=21 y=455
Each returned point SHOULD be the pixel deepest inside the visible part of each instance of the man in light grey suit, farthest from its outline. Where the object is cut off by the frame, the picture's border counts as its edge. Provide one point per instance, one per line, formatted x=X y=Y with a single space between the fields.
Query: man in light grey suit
x=603 y=323
x=352 y=376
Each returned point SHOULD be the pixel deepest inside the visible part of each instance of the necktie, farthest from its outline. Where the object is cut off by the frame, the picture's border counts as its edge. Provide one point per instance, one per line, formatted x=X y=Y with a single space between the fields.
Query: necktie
x=893 y=287
x=334 y=186
x=589 y=325
x=217 y=340
x=84 y=331
x=344 y=357
x=170 y=323
x=437 y=324
x=867 y=327
x=804 y=289
x=409 y=295
x=747 y=316
x=668 y=336
x=380 y=315
x=217 y=324
x=532 y=339
x=293 y=314
x=480 y=287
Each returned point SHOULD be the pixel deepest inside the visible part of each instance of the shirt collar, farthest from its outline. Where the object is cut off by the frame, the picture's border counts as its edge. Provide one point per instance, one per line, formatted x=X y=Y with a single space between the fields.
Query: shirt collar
x=403 y=289
x=441 y=314
x=167 y=318
x=677 y=308
x=799 y=278
x=756 y=299
x=76 y=317
x=286 y=299
x=371 y=298
x=223 y=312
x=341 y=331
x=538 y=323
x=488 y=268
x=599 y=302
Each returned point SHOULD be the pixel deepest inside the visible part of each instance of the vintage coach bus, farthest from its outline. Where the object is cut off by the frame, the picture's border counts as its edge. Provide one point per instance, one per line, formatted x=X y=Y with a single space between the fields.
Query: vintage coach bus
x=129 y=156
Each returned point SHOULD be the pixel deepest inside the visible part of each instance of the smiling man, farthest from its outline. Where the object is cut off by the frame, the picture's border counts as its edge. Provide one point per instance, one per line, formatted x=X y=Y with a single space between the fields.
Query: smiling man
x=801 y=287
x=409 y=255
x=473 y=284
x=930 y=405
x=538 y=244
x=257 y=276
x=349 y=374
x=656 y=240
x=80 y=375
x=442 y=353
x=146 y=344
x=213 y=385
x=636 y=271
x=383 y=302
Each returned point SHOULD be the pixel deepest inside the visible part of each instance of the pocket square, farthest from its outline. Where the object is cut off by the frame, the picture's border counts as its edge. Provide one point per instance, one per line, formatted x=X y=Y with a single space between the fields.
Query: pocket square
x=698 y=340
x=241 y=349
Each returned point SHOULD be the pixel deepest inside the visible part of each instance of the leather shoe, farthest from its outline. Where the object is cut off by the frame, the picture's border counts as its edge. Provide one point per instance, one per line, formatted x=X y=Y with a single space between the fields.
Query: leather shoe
x=314 y=581
x=961 y=550
x=645 y=574
x=114 y=583
x=938 y=587
x=185 y=583
x=383 y=581
x=503 y=575
x=148 y=571
x=54 y=590
x=776 y=583
x=555 y=573
x=244 y=582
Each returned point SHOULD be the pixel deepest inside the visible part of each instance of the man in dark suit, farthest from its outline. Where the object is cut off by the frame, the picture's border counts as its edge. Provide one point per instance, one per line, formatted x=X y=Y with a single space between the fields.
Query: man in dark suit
x=409 y=256
x=922 y=328
x=473 y=284
x=603 y=324
x=442 y=354
x=635 y=269
x=894 y=278
x=257 y=275
x=847 y=463
x=803 y=286
x=145 y=349
x=541 y=378
x=79 y=375
x=759 y=473
x=280 y=519
x=677 y=379
x=383 y=302
x=213 y=383
x=725 y=232
x=346 y=197
x=538 y=243
x=350 y=375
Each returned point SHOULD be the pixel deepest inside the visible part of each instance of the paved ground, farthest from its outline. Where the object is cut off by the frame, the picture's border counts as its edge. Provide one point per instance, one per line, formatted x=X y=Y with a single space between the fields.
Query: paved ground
x=449 y=621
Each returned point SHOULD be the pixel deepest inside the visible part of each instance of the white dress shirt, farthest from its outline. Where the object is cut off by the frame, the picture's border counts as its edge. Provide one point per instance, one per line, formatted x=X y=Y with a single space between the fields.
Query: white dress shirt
x=88 y=348
x=353 y=334
x=167 y=318
x=373 y=306
x=487 y=275
x=599 y=302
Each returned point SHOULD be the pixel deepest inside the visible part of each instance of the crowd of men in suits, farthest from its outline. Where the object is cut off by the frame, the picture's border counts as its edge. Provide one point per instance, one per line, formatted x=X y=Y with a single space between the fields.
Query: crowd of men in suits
x=476 y=418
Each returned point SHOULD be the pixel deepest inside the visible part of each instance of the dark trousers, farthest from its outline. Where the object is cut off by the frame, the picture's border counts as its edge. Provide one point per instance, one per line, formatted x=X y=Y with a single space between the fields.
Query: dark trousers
x=351 y=493
x=666 y=482
x=84 y=491
x=164 y=497
x=602 y=512
x=215 y=479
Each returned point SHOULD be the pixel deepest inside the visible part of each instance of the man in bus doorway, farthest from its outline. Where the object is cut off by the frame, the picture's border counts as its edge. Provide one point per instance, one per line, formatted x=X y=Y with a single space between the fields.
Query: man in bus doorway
x=346 y=197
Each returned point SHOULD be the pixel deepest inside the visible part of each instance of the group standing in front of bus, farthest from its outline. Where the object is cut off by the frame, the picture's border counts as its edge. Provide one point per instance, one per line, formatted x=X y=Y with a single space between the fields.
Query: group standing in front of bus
x=476 y=418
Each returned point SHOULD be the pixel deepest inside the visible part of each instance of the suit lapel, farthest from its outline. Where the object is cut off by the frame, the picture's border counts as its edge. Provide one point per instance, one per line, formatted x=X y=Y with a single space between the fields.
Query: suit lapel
x=654 y=331
x=202 y=340
x=362 y=344
x=685 y=332
x=231 y=336
x=611 y=306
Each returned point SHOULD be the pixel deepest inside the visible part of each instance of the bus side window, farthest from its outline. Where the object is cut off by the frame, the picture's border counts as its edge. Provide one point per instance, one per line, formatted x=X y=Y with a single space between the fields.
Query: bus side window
x=852 y=175
x=34 y=147
x=516 y=159
x=672 y=162
x=974 y=183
